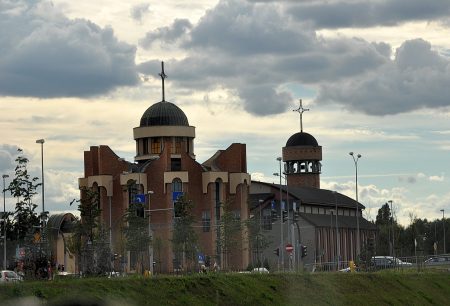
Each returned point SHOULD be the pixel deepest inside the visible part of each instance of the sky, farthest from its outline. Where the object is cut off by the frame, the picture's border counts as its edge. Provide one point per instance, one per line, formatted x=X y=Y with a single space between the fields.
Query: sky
x=374 y=74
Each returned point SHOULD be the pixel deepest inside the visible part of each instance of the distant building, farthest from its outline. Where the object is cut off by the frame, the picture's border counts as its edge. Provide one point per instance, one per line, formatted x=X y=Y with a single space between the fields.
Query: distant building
x=163 y=169
x=316 y=208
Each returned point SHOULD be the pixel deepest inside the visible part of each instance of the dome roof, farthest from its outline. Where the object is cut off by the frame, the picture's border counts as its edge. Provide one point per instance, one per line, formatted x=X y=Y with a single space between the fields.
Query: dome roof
x=301 y=139
x=164 y=113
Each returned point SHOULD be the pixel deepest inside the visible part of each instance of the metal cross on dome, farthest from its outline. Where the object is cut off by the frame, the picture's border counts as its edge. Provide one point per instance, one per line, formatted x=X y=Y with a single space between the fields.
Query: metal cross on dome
x=301 y=110
x=163 y=76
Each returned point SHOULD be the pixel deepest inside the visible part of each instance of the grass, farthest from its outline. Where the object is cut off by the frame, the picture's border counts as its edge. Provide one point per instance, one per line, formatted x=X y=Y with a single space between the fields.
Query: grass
x=386 y=288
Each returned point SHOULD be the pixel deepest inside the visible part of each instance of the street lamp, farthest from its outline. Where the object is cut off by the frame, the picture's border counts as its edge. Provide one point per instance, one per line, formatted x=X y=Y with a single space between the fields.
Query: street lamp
x=392 y=229
x=279 y=159
x=260 y=233
x=443 y=225
x=337 y=232
x=150 y=248
x=4 y=176
x=355 y=160
x=41 y=141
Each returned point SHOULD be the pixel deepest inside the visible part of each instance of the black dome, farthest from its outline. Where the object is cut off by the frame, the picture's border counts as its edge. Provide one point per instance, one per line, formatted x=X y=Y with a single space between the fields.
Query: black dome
x=301 y=139
x=164 y=113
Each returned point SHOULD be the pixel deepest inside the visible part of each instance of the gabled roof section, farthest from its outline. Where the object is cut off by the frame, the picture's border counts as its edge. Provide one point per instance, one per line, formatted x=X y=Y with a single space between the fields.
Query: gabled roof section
x=343 y=221
x=316 y=196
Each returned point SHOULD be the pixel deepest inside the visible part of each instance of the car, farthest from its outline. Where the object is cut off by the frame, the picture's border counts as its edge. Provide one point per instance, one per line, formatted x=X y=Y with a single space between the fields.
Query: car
x=387 y=262
x=437 y=261
x=7 y=276
x=260 y=270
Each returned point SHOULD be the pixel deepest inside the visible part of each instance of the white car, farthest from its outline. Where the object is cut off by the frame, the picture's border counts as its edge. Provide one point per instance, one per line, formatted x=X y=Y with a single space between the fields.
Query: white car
x=7 y=276
x=260 y=270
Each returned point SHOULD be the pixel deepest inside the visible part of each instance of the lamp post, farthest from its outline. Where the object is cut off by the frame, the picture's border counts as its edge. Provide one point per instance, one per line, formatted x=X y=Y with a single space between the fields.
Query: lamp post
x=150 y=248
x=443 y=225
x=279 y=159
x=337 y=233
x=42 y=141
x=287 y=209
x=258 y=240
x=392 y=229
x=4 y=176
x=355 y=160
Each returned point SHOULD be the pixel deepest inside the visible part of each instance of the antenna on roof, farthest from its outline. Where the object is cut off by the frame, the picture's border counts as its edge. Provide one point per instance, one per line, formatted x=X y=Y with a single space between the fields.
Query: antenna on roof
x=163 y=76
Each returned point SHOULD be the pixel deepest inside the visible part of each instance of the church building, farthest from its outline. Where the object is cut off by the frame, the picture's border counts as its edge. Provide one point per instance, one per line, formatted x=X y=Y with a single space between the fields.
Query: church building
x=304 y=225
x=165 y=168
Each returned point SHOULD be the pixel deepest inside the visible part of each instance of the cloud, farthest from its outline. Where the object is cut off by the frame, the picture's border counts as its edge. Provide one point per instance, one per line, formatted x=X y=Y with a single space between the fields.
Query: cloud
x=344 y=14
x=417 y=78
x=254 y=51
x=166 y=35
x=8 y=154
x=44 y=54
x=436 y=178
x=139 y=10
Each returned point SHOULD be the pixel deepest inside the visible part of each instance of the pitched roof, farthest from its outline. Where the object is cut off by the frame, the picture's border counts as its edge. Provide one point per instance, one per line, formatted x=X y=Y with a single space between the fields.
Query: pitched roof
x=343 y=221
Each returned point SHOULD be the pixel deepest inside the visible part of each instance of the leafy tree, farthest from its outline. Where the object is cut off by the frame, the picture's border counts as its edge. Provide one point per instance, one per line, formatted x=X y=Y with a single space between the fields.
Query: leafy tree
x=25 y=224
x=136 y=233
x=184 y=238
x=257 y=240
x=23 y=188
x=90 y=238
x=230 y=233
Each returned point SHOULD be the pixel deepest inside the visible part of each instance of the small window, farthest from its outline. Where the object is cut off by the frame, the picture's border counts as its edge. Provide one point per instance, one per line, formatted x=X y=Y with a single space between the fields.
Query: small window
x=176 y=145
x=175 y=164
x=206 y=221
x=267 y=219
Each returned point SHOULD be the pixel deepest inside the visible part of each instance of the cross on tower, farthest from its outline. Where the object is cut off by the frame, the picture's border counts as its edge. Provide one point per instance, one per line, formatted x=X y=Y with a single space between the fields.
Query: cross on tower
x=163 y=76
x=301 y=110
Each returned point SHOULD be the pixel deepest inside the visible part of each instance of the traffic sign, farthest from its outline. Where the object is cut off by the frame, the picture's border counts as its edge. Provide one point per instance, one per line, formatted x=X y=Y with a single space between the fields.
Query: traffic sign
x=289 y=248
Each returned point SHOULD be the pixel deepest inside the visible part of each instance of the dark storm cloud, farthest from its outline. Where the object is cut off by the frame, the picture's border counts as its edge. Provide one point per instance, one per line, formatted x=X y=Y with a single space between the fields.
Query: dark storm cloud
x=139 y=10
x=338 y=14
x=417 y=78
x=44 y=54
x=168 y=35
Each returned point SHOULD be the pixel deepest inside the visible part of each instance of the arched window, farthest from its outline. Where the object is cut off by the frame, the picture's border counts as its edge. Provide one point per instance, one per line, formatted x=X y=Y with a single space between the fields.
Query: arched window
x=177 y=185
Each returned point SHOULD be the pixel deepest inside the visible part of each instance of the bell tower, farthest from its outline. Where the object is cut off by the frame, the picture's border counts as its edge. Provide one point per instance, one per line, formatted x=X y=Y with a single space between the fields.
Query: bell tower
x=301 y=156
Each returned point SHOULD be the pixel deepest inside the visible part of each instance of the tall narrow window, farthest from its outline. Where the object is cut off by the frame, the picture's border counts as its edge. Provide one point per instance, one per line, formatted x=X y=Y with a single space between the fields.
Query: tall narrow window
x=156 y=146
x=176 y=145
x=145 y=143
x=206 y=220
x=177 y=185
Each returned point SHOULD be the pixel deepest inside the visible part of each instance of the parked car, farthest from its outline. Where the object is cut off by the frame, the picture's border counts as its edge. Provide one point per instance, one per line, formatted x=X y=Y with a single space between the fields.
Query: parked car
x=7 y=276
x=260 y=270
x=438 y=260
x=388 y=262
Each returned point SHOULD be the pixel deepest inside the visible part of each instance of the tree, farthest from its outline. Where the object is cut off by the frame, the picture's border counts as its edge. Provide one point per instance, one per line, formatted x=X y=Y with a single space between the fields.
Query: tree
x=230 y=233
x=258 y=242
x=184 y=238
x=90 y=238
x=23 y=188
x=136 y=234
x=26 y=225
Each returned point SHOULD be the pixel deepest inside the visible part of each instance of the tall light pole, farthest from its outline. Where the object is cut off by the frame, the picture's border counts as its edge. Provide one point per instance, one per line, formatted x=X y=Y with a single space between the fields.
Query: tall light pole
x=337 y=232
x=260 y=234
x=355 y=160
x=279 y=159
x=392 y=226
x=443 y=225
x=42 y=141
x=150 y=249
x=4 y=176
x=287 y=208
